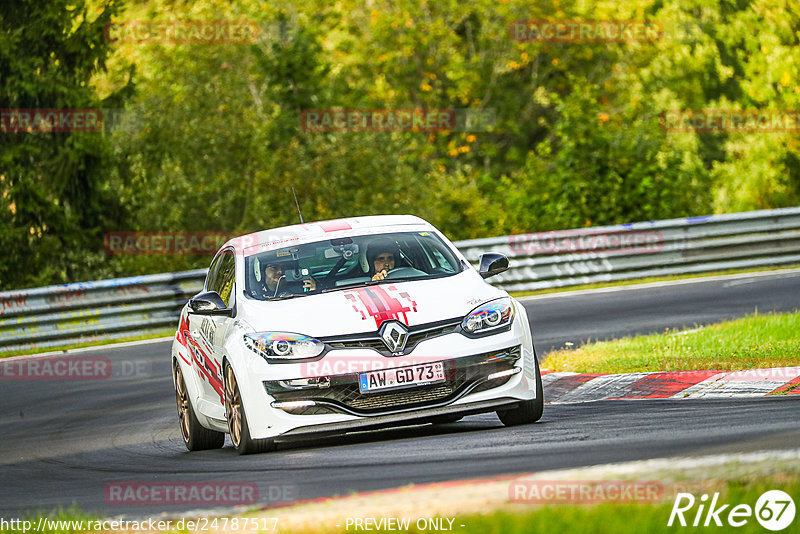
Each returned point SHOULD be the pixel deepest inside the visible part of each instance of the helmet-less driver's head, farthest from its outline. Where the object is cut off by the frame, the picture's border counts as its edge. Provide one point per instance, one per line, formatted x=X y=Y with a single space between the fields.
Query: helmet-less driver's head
x=272 y=274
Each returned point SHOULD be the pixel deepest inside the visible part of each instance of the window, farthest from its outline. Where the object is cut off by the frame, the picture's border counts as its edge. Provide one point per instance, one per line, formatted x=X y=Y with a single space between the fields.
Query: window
x=347 y=262
x=223 y=279
x=212 y=272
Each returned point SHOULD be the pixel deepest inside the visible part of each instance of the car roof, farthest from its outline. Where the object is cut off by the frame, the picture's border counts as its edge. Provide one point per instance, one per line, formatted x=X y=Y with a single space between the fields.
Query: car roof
x=314 y=231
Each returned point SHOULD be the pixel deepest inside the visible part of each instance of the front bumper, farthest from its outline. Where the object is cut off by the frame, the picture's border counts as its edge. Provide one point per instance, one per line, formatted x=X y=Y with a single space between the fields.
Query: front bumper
x=341 y=393
x=342 y=406
x=396 y=419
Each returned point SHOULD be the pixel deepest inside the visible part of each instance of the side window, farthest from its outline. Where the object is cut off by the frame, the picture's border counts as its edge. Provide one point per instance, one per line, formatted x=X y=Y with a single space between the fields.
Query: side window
x=212 y=272
x=439 y=258
x=223 y=279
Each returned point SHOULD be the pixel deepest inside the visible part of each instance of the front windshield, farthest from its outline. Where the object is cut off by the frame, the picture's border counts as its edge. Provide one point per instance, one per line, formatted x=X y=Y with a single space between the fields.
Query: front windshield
x=347 y=262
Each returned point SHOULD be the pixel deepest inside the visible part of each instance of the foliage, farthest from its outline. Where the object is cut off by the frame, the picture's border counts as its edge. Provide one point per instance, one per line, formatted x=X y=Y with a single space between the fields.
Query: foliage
x=56 y=198
x=211 y=138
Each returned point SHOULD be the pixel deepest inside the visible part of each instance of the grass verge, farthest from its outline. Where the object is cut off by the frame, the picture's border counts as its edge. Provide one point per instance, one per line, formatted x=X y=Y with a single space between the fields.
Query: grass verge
x=485 y=507
x=753 y=342
x=636 y=281
x=72 y=346
x=613 y=518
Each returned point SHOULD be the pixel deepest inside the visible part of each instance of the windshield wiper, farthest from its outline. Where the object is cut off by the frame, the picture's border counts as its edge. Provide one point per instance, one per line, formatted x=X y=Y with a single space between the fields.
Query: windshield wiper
x=389 y=280
x=285 y=297
x=346 y=286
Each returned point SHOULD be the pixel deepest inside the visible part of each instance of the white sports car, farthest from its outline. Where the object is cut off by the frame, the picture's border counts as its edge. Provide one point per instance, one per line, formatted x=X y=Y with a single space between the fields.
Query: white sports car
x=344 y=325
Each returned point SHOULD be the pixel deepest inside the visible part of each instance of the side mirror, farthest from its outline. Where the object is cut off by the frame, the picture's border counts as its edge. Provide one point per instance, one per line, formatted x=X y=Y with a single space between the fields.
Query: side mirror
x=209 y=303
x=492 y=263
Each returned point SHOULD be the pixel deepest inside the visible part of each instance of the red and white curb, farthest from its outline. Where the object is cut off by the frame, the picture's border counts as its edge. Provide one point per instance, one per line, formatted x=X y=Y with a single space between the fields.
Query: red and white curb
x=563 y=387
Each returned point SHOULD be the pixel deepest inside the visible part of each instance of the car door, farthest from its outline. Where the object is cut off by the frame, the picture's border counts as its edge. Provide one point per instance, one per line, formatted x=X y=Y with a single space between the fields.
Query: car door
x=207 y=331
x=218 y=326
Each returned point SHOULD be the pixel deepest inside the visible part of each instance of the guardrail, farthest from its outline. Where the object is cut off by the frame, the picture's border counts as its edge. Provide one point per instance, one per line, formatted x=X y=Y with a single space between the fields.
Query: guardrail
x=108 y=309
x=90 y=311
x=644 y=249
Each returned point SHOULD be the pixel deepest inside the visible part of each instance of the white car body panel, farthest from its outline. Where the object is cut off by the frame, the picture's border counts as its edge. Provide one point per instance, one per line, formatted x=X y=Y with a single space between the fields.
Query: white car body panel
x=204 y=344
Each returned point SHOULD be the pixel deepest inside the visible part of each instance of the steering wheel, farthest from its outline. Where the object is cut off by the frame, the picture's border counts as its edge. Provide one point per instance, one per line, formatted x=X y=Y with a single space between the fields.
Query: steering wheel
x=404 y=272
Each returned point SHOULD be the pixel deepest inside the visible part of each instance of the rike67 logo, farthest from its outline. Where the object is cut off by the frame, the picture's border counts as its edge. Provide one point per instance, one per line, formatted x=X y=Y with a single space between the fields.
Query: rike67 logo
x=774 y=510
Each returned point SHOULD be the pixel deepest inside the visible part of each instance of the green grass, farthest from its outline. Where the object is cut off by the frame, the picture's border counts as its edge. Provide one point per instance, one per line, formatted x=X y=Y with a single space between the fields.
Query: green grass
x=617 y=518
x=636 y=281
x=626 y=518
x=605 y=518
x=72 y=513
x=153 y=335
x=753 y=342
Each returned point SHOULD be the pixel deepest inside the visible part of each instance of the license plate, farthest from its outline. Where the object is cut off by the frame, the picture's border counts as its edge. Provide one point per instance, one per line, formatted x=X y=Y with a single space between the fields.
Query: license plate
x=415 y=375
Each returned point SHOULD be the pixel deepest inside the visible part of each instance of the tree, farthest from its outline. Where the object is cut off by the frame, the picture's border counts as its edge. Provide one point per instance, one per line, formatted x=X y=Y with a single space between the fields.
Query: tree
x=57 y=198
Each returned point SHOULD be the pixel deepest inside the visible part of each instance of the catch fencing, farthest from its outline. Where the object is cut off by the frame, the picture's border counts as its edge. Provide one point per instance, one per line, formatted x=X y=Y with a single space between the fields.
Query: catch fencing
x=108 y=309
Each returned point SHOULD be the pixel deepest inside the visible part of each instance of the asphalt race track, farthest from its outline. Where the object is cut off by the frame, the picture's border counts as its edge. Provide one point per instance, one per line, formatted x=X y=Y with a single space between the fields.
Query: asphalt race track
x=64 y=441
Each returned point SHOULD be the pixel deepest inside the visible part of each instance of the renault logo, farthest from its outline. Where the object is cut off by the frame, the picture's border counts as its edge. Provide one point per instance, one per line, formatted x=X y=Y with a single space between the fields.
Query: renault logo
x=394 y=335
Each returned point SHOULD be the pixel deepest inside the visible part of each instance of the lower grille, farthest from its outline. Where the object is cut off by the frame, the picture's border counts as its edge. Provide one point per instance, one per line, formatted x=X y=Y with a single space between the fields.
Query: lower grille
x=344 y=396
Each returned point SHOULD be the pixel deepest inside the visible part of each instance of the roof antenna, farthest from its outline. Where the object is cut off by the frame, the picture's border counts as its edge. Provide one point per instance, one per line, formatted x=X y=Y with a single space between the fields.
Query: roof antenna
x=297 y=204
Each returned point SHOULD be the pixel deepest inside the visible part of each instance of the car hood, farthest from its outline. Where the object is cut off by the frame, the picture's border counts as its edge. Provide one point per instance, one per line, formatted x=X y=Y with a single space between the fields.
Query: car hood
x=363 y=309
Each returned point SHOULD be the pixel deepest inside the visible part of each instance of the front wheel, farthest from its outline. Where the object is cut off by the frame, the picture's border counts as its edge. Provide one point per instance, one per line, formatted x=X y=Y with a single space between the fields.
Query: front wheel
x=527 y=411
x=237 y=420
x=196 y=437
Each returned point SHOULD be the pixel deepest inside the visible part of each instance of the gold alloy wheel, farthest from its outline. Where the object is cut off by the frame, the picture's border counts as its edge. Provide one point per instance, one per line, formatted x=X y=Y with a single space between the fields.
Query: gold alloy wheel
x=233 y=406
x=182 y=397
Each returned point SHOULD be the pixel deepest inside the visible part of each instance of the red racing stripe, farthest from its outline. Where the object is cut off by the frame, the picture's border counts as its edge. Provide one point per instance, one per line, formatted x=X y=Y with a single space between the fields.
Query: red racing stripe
x=393 y=308
x=380 y=305
x=204 y=370
x=334 y=225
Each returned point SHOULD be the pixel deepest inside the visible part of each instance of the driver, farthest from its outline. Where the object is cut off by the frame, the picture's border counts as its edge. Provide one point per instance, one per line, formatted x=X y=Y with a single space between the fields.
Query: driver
x=381 y=257
x=275 y=281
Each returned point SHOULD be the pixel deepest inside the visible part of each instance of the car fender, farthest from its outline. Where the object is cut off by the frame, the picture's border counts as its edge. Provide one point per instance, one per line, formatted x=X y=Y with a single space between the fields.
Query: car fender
x=244 y=362
x=528 y=351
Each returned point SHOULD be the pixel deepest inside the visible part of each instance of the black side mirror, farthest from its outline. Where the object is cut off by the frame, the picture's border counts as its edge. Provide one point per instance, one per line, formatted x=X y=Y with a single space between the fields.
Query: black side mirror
x=209 y=303
x=492 y=263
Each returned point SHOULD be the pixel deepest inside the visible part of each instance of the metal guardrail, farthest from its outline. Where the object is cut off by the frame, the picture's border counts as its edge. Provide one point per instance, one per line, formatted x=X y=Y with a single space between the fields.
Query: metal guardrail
x=90 y=311
x=108 y=309
x=644 y=249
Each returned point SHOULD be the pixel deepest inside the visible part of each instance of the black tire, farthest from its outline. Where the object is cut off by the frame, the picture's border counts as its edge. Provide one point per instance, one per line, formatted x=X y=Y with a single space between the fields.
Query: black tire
x=445 y=419
x=528 y=411
x=196 y=437
x=237 y=419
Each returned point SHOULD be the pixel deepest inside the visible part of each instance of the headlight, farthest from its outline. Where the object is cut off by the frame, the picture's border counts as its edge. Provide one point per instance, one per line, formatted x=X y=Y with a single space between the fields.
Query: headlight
x=490 y=316
x=283 y=345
